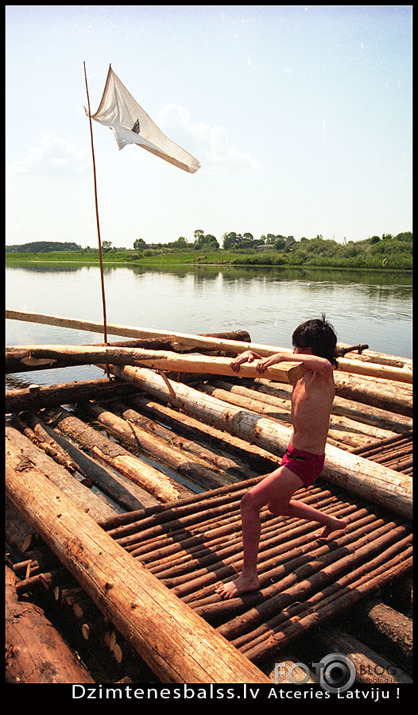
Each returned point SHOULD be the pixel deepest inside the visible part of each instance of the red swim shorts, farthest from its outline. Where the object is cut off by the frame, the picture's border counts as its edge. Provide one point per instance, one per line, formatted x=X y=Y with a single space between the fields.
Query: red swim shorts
x=305 y=465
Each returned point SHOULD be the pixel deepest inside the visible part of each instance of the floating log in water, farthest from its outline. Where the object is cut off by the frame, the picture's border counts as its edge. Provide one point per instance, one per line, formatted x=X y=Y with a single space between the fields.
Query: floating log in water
x=177 y=644
x=354 y=473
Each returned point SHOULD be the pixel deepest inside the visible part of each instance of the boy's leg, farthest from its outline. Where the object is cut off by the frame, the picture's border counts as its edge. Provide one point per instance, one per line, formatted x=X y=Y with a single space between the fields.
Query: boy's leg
x=275 y=491
x=304 y=511
x=281 y=482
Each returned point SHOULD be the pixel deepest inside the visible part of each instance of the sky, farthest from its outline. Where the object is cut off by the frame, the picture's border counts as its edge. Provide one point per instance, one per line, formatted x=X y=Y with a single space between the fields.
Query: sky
x=300 y=115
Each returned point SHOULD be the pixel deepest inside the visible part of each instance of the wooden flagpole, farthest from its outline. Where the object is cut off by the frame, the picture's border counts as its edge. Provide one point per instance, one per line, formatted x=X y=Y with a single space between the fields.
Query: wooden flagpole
x=97 y=213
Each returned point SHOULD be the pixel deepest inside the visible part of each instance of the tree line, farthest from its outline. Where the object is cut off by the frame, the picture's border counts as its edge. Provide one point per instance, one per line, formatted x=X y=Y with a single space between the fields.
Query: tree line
x=271 y=249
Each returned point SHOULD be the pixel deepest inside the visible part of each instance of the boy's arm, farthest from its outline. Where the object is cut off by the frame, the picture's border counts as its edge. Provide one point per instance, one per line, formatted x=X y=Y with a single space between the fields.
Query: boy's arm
x=311 y=362
x=247 y=356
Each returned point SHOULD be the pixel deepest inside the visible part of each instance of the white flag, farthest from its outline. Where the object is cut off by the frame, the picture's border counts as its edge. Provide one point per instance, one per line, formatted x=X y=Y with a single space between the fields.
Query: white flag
x=131 y=125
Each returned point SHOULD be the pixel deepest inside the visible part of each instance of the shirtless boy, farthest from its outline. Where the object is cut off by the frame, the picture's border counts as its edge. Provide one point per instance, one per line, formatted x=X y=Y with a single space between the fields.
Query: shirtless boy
x=314 y=345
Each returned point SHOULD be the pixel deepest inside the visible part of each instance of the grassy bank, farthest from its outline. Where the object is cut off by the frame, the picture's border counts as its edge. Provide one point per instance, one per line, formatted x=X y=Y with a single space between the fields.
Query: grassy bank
x=372 y=260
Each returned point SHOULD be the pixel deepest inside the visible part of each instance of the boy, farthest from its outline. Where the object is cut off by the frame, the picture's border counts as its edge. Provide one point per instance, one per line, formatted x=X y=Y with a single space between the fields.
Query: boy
x=312 y=397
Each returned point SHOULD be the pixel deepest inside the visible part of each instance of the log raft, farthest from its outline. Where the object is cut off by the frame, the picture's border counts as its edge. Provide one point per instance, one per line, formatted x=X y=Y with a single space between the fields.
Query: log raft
x=186 y=543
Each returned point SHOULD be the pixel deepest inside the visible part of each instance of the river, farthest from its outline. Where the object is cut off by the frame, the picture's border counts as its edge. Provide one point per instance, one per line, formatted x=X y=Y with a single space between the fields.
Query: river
x=363 y=307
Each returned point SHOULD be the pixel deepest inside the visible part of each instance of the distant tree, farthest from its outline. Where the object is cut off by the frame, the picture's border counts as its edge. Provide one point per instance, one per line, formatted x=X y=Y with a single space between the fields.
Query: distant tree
x=180 y=243
x=45 y=247
x=139 y=244
x=206 y=242
x=229 y=241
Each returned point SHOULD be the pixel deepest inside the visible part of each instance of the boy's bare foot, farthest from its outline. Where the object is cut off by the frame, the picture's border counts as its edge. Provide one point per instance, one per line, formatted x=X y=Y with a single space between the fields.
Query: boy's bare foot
x=335 y=525
x=240 y=585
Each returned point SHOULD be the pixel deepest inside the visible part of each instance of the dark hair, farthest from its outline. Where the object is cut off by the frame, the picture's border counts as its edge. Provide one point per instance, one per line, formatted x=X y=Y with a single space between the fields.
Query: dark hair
x=319 y=335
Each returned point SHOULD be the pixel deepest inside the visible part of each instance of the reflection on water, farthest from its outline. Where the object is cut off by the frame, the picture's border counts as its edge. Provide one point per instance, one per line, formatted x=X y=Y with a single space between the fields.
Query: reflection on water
x=364 y=307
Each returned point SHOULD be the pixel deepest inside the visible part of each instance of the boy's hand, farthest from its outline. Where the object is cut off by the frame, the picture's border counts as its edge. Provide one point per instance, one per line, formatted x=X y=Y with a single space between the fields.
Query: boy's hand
x=266 y=362
x=247 y=356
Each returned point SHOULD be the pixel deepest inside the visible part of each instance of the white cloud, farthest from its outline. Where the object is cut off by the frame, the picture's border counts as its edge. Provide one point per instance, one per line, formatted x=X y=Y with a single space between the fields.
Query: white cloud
x=54 y=157
x=209 y=143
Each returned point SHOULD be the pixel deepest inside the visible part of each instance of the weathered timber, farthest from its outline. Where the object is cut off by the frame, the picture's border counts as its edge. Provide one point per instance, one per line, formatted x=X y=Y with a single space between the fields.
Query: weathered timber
x=368 y=355
x=392 y=626
x=13 y=362
x=350 y=471
x=16 y=530
x=350 y=590
x=35 y=652
x=358 y=411
x=124 y=492
x=160 y=485
x=342 y=430
x=177 y=644
x=185 y=445
x=33 y=428
x=261 y=460
x=53 y=395
x=300 y=579
x=369 y=665
x=185 y=340
x=25 y=458
x=136 y=437
x=387 y=372
x=159 y=360
x=392 y=396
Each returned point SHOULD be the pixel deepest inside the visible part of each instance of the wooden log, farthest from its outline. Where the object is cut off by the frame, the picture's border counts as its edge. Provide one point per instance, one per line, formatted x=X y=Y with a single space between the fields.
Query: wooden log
x=368 y=355
x=134 y=436
x=392 y=626
x=260 y=460
x=358 y=411
x=63 y=394
x=392 y=396
x=35 y=652
x=370 y=667
x=177 y=644
x=160 y=485
x=182 y=339
x=24 y=458
x=124 y=492
x=186 y=340
x=33 y=428
x=13 y=357
x=160 y=360
x=349 y=471
x=342 y=430
x=387 y=372
x=212 y=457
